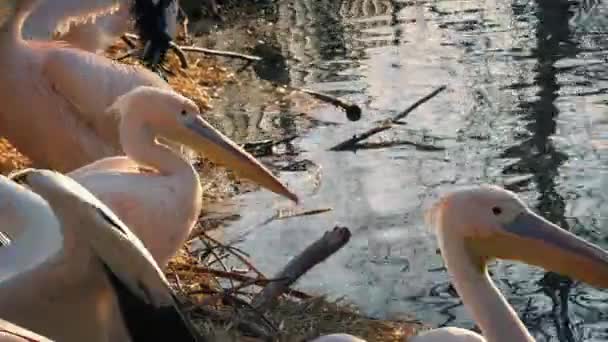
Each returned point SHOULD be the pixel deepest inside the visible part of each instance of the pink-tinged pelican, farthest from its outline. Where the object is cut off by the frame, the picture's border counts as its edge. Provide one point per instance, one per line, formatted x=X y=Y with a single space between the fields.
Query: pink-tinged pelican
x=53 y=19
x=55 y=98
x=101 y=277
x=12 y=333
x=476 y=225
x=337 y=338
x=479 y=224
x=162 y=206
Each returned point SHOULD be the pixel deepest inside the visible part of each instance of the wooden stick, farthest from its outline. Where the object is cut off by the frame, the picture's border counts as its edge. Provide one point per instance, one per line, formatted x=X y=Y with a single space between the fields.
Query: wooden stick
x=241 y=277
x=416 y=104
x=351 y=144
x=314 y=254
x=176 y=48
x=220 y=53
x=353 y=112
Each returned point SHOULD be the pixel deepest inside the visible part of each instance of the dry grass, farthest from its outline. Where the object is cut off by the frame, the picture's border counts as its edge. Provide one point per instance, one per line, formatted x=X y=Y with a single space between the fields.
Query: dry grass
x=10 y=158
x=297 y=320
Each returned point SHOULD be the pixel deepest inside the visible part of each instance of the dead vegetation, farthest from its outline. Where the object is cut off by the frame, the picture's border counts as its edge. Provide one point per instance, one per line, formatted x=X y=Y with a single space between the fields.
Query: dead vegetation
x=225 y=301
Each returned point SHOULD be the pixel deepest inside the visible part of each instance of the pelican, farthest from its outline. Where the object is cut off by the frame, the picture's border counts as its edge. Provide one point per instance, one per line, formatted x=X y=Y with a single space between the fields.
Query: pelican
x=162 y=206
x=57 y=94
x=479 y=224
x=13 y=333
x=101 y=268
x=155 y=21
x=337 y=338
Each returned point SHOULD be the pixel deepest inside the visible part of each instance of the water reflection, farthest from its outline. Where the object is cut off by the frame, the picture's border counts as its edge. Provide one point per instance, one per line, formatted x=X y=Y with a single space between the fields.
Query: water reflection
x=522 y=101
x=537 y=155
x=525 y=99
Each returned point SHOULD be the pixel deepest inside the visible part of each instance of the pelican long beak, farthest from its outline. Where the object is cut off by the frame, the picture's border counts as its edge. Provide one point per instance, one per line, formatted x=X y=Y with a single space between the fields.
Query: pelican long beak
x=534 y=240
x=220 y=149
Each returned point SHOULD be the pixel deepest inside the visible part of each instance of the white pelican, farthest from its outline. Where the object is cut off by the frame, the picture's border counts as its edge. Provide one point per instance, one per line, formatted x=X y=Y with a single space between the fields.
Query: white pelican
x=53 y=93
x=337 y=338
x=54 y=19
x=12 y=333
x=100 y=266
x=162 y=206
x=476 y=225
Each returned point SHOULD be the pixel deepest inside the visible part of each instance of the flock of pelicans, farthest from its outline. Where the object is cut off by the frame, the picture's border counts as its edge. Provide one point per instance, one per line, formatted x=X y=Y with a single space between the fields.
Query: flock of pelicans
x=84 y=246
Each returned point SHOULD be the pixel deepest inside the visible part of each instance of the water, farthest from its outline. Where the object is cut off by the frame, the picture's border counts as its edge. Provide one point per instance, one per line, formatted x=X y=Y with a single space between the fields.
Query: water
x=526 y=107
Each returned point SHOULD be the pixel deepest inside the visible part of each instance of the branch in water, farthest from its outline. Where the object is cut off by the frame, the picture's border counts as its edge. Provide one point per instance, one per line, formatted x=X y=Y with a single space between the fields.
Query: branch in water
x=331 y=242
x=351 y=144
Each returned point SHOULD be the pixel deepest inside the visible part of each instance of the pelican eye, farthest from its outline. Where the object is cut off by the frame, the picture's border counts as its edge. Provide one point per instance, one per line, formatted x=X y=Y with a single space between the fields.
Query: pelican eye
x=184 y=112
x=497 y=211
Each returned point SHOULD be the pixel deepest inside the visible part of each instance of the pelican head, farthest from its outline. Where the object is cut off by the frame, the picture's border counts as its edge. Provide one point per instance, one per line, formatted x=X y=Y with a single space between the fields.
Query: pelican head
x=178 y=118
x=494 y=223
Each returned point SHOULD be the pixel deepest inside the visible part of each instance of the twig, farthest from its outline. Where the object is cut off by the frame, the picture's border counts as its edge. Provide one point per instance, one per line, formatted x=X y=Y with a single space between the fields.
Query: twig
x=314 y=254
x=220 y=53
x=242 y=258
x=227 y=292
x=392 y=143
x=244 y=326
x=351 y=143
x=176 y=48
x=353 y=111
x=416 y=104
x=246 y=317
x=217 y=257
x=279 y=215
x=263 y=148
x=241 y=277
x=303 y=213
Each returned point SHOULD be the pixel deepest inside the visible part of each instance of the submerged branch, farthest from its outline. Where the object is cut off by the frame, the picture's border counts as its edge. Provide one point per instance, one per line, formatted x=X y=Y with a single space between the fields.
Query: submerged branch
x=353 y=111
x=314 y=254
x=352 y=143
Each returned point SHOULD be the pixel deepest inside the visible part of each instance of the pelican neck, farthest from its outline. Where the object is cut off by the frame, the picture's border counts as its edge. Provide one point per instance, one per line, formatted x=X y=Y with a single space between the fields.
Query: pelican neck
x=490 y=310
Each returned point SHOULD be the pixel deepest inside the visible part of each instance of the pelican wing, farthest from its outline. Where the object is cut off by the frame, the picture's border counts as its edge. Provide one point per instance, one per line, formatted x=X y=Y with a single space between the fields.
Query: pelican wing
x=126 y=256
x=140 y=285
x=53 y=17
x=17 y=331
x=144 y=321
x=91 y=84
x=147 y=303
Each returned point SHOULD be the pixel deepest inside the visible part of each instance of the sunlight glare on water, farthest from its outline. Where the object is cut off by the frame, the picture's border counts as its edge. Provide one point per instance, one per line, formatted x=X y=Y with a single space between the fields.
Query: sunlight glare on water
x=525 y=107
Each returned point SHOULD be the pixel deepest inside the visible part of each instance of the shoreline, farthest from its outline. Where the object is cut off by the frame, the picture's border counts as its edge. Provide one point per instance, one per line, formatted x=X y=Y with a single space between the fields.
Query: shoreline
x=298 y=319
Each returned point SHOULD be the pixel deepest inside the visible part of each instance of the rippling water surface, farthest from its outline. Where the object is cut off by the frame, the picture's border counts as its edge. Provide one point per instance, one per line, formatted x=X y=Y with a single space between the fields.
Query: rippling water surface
x=526 y=106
